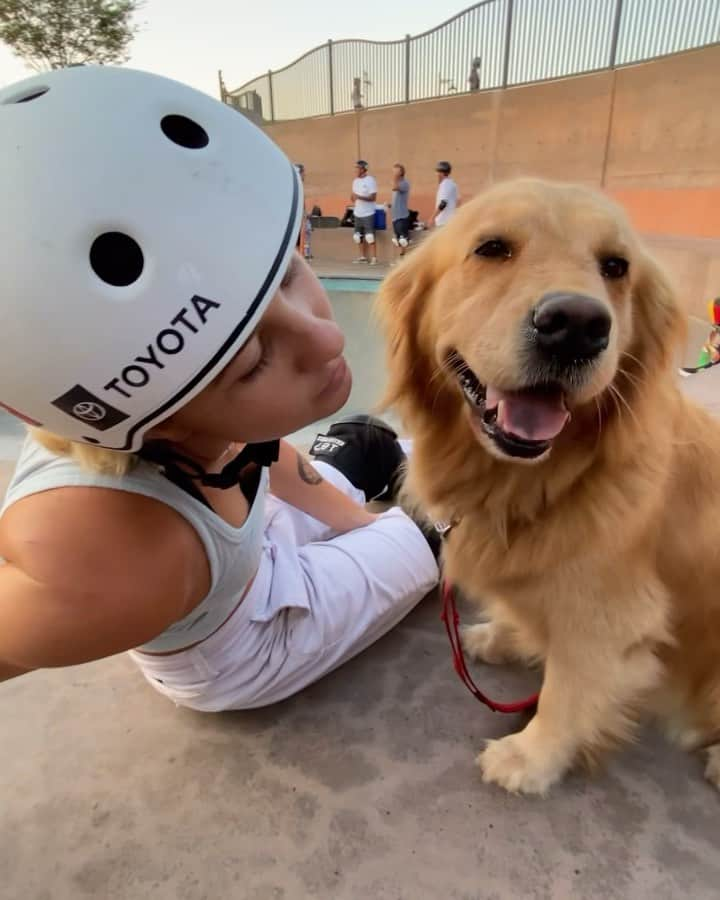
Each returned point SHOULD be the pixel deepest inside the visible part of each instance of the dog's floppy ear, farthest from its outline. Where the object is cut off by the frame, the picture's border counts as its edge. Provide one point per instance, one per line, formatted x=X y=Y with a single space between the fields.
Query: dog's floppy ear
x=402 y=308
x=660 y=322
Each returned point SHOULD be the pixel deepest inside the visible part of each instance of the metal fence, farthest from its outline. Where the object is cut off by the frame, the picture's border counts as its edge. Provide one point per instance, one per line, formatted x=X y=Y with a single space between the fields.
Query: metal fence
x=492 y=44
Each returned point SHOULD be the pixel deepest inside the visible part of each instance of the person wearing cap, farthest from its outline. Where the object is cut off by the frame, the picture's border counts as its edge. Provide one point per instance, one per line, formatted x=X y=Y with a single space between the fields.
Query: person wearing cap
x=364 y=194
x=446 y=200
x=161 y=336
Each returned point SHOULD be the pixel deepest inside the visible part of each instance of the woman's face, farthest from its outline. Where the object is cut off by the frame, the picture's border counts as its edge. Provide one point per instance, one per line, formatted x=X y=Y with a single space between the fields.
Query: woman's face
x=290 y=373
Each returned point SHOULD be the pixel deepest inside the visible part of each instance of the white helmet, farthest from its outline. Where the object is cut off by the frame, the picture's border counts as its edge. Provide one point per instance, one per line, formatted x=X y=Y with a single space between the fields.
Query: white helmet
x=144 y=229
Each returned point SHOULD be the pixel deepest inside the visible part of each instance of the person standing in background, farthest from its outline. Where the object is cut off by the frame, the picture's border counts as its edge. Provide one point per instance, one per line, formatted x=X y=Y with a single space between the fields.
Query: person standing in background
x=364 y=194
x=447 y=195
x=357 y=95
x=474 y=78
x=305 y=232
x=399 y=210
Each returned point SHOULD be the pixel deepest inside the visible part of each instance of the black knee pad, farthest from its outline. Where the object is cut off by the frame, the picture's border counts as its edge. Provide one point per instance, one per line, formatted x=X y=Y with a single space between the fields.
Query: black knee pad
x=366 y=450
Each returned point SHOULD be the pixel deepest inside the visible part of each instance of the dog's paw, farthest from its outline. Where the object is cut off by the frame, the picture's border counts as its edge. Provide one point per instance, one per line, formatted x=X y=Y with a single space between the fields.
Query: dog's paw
x=712 y=769
x=481 y=643
x=514 y=763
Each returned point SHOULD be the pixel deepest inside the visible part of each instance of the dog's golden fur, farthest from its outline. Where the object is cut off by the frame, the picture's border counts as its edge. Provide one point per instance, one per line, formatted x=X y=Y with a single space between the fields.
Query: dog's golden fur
x=602 y=560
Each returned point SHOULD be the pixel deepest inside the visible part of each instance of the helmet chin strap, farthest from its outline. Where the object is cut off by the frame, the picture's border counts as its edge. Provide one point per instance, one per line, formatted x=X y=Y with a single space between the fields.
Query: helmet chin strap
x=175 y=466
x=264 y=454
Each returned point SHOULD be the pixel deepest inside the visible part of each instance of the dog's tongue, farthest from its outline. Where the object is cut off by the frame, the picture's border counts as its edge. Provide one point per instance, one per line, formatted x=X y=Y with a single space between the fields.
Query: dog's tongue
x=531 y=415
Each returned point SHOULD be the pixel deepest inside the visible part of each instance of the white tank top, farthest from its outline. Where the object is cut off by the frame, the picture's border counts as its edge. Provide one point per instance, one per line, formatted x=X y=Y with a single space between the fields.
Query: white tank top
x=233 y=553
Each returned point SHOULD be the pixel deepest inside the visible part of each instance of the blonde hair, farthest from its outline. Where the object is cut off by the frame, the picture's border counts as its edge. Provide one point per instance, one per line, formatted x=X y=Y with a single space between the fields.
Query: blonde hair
x=95 y=459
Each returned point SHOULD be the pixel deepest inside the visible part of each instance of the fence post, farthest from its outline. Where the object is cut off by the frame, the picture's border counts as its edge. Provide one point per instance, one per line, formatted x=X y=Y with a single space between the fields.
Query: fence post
x=272 y=99
x=331 y=79
x=407 y=68
x=508 y=35
x=615 y=32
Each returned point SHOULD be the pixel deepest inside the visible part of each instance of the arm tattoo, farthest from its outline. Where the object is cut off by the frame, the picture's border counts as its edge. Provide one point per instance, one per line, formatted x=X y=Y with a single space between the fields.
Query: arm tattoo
x=306 y=472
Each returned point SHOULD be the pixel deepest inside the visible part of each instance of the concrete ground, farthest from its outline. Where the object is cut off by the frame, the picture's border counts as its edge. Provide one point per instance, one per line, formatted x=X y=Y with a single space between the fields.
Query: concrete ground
x=361 y=787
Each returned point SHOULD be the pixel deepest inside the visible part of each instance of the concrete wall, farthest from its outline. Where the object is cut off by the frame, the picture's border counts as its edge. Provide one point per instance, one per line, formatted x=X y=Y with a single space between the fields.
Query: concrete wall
x=664 y=148
x=649 y=134
x=328 y=148
x=693 y=265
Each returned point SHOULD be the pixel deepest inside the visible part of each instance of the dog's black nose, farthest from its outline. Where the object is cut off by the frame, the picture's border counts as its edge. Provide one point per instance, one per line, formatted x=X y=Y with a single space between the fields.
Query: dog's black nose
x=571 y=327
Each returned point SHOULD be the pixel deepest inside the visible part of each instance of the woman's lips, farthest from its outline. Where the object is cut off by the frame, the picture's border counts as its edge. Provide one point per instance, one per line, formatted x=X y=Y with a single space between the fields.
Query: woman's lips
x=338 y=373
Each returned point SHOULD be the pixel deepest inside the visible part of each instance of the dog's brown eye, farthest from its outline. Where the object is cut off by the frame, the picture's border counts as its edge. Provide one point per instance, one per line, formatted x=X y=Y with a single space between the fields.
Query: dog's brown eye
x=614 y=267
x=495 y=249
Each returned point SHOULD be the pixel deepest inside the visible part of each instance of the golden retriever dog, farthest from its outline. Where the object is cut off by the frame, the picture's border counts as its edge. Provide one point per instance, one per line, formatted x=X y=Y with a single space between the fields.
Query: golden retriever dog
x=532 y=346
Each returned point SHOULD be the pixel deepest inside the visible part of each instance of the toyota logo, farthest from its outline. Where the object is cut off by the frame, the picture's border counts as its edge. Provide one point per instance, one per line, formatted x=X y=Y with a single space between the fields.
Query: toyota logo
x=89 y=411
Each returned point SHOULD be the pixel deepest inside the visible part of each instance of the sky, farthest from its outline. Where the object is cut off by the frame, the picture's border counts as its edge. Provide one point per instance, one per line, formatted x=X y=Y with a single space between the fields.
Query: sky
x=190 y=41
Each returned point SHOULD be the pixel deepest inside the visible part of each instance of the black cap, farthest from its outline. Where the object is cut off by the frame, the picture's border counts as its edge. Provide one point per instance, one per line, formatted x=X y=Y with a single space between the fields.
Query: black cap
x=362 y=163
x=444 y=167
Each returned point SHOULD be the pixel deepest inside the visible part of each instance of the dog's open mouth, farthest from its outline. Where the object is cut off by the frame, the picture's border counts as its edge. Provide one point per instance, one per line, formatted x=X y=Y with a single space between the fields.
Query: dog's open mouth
x=522 y=423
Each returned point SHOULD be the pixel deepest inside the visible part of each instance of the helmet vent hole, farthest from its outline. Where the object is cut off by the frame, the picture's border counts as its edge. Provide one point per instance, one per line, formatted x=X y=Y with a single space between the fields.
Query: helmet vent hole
x=183 y=131
x=116 y=258
x=29 y=94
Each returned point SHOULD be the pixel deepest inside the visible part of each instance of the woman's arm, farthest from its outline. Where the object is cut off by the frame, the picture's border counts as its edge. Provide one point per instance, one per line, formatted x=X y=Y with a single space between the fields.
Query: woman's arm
x=126 y=569
x=48 y=624
x=7 y=671
x=294 y=480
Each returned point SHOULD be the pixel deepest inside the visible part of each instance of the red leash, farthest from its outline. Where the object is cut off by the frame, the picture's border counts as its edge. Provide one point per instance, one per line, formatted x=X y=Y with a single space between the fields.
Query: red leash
x=452 y=625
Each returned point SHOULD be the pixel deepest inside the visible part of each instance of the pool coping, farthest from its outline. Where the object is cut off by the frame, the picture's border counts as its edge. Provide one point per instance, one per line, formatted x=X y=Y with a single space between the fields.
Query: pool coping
x=341 y=284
